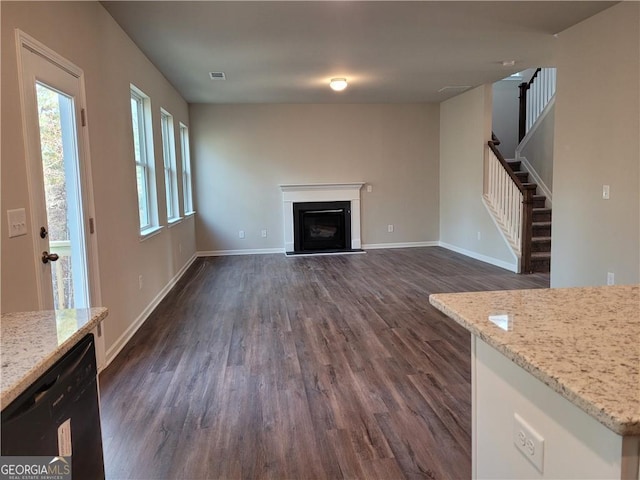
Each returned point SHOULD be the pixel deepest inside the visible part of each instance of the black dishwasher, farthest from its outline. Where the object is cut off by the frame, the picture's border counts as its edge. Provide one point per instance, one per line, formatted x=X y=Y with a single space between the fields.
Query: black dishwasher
x=59 y=415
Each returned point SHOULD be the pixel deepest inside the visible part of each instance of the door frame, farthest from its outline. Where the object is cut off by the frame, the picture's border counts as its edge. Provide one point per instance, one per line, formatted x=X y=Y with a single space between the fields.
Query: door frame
x=25 y=41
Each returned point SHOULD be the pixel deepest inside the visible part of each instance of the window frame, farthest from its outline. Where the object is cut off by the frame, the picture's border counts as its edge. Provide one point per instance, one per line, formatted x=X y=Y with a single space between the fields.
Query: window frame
x=169 y=166
x=187 y=180
x=145 y=161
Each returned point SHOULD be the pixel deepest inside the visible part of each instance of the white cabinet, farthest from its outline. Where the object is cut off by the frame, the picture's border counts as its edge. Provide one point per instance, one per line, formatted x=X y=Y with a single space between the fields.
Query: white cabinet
x=98 y=336
x=576 y=446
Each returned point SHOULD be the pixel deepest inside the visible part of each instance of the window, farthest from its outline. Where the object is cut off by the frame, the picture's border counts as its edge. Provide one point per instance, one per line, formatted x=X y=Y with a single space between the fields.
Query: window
x=186 y=170
x=143 y=153
x=170 y=173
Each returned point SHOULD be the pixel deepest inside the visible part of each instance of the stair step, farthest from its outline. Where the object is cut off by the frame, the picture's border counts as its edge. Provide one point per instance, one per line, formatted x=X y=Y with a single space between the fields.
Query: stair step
x=541 y=244
x=540 y=262
x=541 y=214
x=540 y=256
x=529 y=184
x=541 y=229
x=539 y=201
x=514 y=164
x=522 y=176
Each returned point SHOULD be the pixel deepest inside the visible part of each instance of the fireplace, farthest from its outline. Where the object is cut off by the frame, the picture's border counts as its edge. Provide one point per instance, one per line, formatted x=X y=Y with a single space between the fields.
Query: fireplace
x=318 y=202
x=321 y=226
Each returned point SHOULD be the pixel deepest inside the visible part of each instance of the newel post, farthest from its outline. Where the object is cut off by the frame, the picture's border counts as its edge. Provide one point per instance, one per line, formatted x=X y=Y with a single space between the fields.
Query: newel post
x=522 y=112
x=527 y=228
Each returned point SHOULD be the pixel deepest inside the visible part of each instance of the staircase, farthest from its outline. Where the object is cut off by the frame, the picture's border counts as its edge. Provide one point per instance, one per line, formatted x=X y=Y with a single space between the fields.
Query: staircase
x=514 y=201
x=540 y=248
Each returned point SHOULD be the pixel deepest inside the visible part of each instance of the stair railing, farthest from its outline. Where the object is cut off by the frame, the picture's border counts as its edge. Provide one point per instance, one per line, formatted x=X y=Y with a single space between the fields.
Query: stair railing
x=511 y=202
x=534 y=96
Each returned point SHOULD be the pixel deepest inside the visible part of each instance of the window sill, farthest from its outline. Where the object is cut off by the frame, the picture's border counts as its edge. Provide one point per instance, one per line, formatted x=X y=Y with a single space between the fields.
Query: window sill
x=149 y=232
x=189 y=214
x=174 y=221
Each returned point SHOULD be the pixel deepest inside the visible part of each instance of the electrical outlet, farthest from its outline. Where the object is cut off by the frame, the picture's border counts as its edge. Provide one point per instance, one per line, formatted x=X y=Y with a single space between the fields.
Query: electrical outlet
x=605 y=192
x=263 y=233
x=390 y=228
x=529 y=442
x=241 y=234
x=611 y=278
x=140 y=282
x=479 y=236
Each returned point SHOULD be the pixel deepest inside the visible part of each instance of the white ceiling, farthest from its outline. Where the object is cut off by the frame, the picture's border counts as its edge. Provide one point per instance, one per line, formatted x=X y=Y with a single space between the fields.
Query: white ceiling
x=390 y=51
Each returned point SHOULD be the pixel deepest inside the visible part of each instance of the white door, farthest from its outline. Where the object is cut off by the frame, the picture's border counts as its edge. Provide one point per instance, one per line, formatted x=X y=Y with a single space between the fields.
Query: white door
x=53 y=110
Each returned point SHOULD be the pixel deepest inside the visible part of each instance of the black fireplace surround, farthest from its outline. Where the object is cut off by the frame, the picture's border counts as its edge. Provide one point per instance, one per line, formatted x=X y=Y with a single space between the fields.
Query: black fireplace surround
x=321 y=227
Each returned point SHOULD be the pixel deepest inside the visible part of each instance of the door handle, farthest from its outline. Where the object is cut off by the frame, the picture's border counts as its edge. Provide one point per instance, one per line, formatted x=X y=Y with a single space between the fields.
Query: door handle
x=46 y=257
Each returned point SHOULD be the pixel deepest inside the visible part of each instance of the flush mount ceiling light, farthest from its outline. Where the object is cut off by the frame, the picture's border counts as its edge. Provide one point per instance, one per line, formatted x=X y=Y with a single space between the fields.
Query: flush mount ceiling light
x=508 y=63
x=338 y=84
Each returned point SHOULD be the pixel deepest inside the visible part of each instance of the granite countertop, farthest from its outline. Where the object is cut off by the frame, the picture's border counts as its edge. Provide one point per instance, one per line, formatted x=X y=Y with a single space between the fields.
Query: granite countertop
x=584 y=343
x=31 y=342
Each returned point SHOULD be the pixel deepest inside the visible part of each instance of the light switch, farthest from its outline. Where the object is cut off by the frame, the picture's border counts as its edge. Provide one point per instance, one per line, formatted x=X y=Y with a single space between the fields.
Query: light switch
x=605 y=192
x=369 y=188
x=17 y=222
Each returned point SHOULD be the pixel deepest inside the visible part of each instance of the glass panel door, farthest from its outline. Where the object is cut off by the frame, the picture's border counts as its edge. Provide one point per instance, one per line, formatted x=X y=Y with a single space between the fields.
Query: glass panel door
x=63 y=200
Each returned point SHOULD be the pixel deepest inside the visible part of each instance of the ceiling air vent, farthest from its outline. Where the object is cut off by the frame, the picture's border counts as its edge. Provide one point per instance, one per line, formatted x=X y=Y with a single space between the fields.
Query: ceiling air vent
x=454 y=88
x=217 y=76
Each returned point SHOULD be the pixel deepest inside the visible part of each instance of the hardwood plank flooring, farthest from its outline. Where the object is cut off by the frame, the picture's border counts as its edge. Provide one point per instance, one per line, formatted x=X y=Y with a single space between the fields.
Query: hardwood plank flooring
x=300 y=367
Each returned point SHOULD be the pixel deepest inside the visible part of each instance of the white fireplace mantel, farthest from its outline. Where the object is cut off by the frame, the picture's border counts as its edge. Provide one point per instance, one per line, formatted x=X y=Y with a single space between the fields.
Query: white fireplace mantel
x=321 y=192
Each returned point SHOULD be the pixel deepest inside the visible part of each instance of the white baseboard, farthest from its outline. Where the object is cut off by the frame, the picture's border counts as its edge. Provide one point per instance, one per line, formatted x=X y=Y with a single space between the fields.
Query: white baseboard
x=266 y=251
x=376 y=246
x=512 y=267
x=119 y=344
x=248 y=251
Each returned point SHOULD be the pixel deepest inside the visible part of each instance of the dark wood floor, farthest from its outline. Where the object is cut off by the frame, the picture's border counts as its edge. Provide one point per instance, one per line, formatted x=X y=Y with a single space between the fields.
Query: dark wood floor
x=306 y=367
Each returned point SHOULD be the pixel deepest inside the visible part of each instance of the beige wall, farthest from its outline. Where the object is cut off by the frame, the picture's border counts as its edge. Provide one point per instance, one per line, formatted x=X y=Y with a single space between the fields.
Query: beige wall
x=505 y=115
x=539 y=149
x=243 y=152
x=597 y=141
x=465 y=128
x=85 y=34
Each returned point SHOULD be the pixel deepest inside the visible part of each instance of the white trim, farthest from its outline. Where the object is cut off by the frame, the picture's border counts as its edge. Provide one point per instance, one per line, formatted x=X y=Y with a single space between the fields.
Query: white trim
x=303 y=187
x=377 y=246
x=267 y=251
x=537 y=180
x=474 y=409
x=119 y=344
x=321 y=192
x=174 y=221
x=150 y=232
x=248 y=251
x=513 y=267
x=23 y=40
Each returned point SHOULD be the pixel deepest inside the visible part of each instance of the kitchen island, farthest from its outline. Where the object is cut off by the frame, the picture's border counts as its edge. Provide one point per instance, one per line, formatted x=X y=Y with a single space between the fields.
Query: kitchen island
x=31 y=342
x=555 y=381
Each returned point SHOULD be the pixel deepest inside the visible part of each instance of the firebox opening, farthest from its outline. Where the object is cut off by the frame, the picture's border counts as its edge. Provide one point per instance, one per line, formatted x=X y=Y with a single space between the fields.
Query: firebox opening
x=322 y=227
